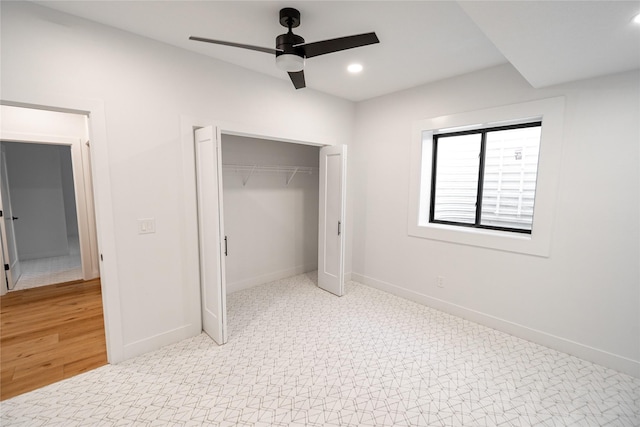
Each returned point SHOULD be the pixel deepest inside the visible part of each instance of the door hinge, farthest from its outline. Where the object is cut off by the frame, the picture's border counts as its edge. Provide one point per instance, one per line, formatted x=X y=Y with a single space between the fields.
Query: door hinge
x=6 y=267
x=339 y=224
x=226 y=252
x=0 y=213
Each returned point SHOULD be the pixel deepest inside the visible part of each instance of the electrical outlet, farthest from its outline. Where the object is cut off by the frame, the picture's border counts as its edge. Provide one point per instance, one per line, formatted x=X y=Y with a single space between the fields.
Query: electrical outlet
x=440 y=282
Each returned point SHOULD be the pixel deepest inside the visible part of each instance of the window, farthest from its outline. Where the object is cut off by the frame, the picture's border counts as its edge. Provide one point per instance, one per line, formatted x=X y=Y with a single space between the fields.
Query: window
x=491 y=180
x=486 y=178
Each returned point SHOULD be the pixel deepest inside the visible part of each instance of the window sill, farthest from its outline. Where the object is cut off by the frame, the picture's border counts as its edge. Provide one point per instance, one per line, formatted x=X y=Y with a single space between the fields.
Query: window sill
x=530 y=244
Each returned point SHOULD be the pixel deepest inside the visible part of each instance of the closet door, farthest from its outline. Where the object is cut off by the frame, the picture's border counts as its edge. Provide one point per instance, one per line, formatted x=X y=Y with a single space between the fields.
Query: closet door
x=212 y=251
x=333 y=161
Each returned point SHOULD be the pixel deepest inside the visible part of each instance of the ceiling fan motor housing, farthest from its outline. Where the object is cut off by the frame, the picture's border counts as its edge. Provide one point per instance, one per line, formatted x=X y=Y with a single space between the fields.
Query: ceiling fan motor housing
x=289 y=18
x=286 y=42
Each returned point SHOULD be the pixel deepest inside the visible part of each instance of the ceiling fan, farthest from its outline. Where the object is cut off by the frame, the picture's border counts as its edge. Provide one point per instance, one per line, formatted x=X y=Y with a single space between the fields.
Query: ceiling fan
x=291 y=50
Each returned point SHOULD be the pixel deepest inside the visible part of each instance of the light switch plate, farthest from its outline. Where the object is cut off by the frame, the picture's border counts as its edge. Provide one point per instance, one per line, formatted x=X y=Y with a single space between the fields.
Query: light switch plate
x=146 y=225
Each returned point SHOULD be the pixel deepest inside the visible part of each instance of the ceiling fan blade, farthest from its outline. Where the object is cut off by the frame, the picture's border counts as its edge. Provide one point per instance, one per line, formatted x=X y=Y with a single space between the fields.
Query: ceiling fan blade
x=297 y=78
x=243 y=46
x=336 y=45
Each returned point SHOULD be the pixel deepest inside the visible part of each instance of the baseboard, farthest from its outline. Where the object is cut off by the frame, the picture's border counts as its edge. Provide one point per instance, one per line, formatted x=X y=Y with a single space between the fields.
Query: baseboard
x=591 y=354
x=269 y=277
x=155 y=342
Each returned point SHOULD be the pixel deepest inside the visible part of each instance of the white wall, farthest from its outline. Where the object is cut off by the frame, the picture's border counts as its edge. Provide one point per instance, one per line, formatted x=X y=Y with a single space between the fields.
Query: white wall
x=585 y=297
x=37 y=199
x=146 y=89
x=272 y=227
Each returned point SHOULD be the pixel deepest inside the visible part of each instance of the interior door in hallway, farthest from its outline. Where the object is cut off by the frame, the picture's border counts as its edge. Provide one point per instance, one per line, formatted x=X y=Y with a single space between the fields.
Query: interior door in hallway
x=332 y=219
x=210 y=223
x=7 y=230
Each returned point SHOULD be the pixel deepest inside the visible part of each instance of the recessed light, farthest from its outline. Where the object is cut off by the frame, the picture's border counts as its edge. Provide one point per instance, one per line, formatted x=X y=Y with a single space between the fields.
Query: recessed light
x=354 y=68
x=636 y=18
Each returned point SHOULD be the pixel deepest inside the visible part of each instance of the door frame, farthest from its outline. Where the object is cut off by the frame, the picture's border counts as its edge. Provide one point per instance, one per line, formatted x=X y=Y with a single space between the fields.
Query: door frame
x=12 y=274
x=3 y=276
x=83 y=193
x=105 y=229
x=189 y=125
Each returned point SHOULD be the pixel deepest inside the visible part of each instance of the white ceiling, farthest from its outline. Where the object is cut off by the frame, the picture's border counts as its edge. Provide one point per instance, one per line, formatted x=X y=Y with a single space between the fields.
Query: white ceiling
x=420 y=41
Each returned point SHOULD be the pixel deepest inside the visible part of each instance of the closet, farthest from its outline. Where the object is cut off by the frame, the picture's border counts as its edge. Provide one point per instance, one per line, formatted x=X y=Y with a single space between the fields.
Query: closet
x=270 y=204
x=266 y=210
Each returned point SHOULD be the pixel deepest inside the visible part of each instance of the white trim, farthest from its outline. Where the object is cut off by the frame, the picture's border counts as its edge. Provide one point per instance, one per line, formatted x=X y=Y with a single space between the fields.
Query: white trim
x=595 y=355
x=157 y=341
x=190 y=237
x=539 y=241
x=38 y=138
x=101 y=178
x=3 y=276
x=269 y=277
x=83 y=192
x=273 y=134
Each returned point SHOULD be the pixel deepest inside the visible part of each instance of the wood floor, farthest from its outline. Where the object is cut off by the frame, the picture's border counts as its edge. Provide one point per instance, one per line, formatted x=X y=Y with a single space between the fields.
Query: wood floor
x=48 y=334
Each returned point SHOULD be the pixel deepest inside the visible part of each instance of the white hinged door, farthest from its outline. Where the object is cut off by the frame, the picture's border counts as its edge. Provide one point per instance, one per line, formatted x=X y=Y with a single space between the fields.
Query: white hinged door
x=210 y=223
x=331 y=239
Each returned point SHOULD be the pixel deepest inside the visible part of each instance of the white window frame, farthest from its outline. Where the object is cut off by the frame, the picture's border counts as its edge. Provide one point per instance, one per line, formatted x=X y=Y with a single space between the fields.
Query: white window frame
x=551 y=112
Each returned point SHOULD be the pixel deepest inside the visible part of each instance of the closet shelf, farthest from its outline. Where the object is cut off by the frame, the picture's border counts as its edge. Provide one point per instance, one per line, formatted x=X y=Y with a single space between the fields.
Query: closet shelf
x=291 y=171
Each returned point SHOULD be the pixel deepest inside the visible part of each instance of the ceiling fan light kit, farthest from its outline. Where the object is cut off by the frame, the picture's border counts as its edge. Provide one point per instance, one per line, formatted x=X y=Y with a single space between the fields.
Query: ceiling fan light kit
x=291 y=50
x=290 y=63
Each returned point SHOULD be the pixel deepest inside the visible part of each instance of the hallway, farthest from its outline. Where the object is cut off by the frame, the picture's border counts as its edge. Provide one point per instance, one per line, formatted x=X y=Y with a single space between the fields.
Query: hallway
x=48 y=271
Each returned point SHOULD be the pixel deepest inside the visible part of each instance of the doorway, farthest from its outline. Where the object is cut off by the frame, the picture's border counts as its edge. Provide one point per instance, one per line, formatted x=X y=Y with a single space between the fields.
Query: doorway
x=48 y=220
x=48 y=227
x=214 y=244
x=270 y=199
x=39 y=197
